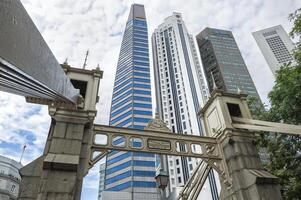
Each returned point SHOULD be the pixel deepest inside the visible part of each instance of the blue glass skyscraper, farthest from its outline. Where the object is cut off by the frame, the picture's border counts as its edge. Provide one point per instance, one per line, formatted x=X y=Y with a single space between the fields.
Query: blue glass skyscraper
x=130 y=175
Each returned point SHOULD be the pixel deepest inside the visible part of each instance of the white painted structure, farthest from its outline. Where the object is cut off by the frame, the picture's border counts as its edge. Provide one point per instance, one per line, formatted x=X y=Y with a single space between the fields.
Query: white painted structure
x=180 y=93
x=275 y=45
x=9 y=178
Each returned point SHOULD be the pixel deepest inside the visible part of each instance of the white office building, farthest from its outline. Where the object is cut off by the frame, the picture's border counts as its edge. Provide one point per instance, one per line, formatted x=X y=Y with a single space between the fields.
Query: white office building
x=180 y=93
x=275 y=45
x=10 y=178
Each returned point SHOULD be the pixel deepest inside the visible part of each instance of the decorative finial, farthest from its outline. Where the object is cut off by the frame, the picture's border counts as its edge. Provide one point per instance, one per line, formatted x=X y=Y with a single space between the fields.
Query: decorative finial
x=85 y=63
x=238 y=90
x=157 y=124
x=66 y=61
x=98 y=68
x=213 y=81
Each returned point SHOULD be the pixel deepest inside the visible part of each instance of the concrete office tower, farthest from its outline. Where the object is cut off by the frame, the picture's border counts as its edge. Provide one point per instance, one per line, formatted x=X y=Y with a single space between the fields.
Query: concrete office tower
x=275 y=45
x=180 y=93
x=223 y=62
x=10 y=178
x=130 y=175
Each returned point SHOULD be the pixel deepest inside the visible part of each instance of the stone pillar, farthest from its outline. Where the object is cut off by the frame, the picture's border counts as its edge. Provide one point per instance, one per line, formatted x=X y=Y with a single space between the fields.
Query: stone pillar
x=58 y=174
x=241 y=173
x=249 y=180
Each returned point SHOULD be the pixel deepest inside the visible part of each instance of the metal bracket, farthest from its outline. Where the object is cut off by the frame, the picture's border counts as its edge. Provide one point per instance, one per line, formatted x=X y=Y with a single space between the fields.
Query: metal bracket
x=96 y=156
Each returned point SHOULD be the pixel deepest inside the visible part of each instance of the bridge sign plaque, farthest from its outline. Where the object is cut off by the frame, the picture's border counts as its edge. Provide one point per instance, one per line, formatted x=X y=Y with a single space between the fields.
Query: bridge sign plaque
x=158 y=144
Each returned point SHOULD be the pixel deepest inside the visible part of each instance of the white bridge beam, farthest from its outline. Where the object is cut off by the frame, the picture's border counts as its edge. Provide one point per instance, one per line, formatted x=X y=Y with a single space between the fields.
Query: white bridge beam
x=258 y=125
x=27 y=65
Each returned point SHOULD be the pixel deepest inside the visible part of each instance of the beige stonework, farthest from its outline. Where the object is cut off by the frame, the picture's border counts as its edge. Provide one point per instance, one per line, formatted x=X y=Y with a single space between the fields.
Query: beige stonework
x=241 y=173
x=58 y=174
x=249 y=180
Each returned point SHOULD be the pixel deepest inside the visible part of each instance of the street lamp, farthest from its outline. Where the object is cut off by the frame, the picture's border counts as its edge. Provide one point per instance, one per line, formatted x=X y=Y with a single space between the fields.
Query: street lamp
x=162 y=179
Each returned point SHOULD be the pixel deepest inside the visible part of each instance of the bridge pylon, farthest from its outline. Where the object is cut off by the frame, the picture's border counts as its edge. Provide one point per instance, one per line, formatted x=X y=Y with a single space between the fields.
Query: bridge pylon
x=241 y=172
x=59 y=172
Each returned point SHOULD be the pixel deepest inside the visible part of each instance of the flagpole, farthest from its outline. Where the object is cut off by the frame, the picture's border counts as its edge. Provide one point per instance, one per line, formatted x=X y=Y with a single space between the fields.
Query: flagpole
x=24 y=147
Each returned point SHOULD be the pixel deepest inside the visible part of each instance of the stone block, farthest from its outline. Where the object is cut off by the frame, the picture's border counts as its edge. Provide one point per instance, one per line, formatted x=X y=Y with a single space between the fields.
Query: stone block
x=75 y=131
x=236 y=163
x=273 y=194
x=31 y=179
x=29 y=187
x=257 y=185
x=254 y=176
x=33 y=169
x=228 y=151
x=237 y=180
x=251 y=149
x=61 y=162
x=58 y=182
x=60 y=129
x=65 y=146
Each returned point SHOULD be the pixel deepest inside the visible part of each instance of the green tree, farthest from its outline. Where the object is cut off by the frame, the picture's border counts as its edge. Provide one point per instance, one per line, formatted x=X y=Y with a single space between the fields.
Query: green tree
x=285 y=100
x=296 y=32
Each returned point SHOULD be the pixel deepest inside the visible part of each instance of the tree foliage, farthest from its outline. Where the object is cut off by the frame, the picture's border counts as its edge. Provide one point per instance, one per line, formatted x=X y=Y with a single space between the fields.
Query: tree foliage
x=285 y=100
x=296 y=32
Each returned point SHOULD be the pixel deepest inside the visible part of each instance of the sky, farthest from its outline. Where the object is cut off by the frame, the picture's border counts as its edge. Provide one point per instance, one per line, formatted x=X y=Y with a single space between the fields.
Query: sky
x=71 y=27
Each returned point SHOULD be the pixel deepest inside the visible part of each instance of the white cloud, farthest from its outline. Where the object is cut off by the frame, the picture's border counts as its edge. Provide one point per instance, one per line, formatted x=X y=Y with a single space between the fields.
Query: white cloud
x=22 y=123
x=70 y=27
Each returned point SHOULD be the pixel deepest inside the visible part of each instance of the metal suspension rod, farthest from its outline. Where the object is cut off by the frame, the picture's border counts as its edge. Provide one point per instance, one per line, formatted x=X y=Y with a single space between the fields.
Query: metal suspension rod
x=188 y=184
x=195 y=182
x=201 y=182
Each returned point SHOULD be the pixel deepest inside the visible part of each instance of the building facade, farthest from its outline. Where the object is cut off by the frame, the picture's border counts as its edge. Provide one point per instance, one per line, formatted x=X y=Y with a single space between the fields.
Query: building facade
x=180 y=93
x=223 y=63
x=131 y=175
x=275 y=45
x=10 y=178
x=102 y=171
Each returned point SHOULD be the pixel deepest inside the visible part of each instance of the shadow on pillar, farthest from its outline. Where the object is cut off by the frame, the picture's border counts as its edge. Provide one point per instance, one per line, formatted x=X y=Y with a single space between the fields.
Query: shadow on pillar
x=31 y=174
x=59 y=173
x=249 y=179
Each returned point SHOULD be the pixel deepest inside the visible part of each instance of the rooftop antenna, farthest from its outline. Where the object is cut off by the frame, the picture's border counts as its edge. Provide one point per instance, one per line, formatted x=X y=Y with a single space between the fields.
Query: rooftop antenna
x=85 y=63
x=23 y=150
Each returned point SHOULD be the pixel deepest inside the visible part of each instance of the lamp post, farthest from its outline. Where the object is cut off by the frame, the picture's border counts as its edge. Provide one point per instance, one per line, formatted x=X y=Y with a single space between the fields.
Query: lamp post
x=162 y=181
